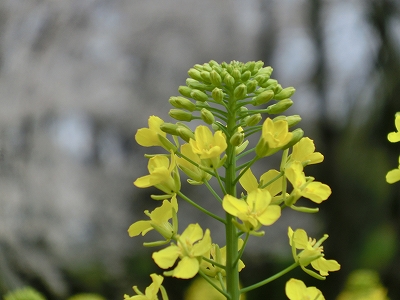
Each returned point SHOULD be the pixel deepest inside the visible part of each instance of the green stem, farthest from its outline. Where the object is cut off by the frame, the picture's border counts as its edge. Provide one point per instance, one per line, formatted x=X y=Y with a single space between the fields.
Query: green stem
x=208 y=279
x=249 y=164
x=242 y=249
x=195 y=164
x=212 y=191
x=213 y=262
x=200 y=208
x=268 y=280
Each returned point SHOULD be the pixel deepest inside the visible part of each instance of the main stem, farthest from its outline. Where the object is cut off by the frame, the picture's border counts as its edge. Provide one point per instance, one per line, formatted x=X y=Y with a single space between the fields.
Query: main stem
x=232 y=273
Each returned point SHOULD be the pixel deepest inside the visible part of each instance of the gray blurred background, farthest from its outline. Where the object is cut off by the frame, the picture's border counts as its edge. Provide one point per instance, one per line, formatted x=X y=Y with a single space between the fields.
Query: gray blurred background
x=79 y=77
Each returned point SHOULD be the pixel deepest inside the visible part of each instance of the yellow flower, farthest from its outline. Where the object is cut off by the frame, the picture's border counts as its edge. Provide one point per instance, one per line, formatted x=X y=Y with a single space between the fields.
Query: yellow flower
x=195 y=173
x=274 y=136
x=255 y=211
x=394 y=136
x=249 y=182
x=207 y=145
x=163 y=175
x=304 y=152
x=159 y=220
x=312 y=252
x=219 y=256
x=150 y=292
x=148 y=137
x=190 y=248
x=296 y=290
x=313 y=190
x=393 y=175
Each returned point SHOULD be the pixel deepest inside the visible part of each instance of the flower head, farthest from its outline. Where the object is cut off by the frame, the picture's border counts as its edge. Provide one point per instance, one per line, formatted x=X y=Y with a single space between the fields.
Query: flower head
x=148 y=137
x=304 y=152
x=195 y=173
x=150 y=292
x=312 y=252
x=255 y=211
x=159 y=220
x=296 y=290
x=191 y=246
x=206 y=144
x=394 y=136
x=163 y=175
x=313 y=190
x=274 y=136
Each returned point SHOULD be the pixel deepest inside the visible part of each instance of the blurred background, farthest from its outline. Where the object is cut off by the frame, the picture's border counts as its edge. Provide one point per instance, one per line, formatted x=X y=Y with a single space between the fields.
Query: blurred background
x=79 y=77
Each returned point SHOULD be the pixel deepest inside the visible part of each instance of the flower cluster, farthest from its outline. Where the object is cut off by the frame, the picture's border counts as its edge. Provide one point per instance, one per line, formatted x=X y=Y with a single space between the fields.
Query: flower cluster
x=230 y=99
x=394 y=137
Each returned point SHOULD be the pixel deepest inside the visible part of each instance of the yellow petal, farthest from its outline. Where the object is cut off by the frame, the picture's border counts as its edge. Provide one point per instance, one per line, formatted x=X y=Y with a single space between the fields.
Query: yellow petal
x=186 y=268
x=324 y=266
x=295 y=289
x=234 y=206
x=166 y=258
x=191 y=234
x=393 y=176
x=248 y=181
x=203 y=246
x=316 y=191
x=275 y=187
x=270 y=215
x=139 y=227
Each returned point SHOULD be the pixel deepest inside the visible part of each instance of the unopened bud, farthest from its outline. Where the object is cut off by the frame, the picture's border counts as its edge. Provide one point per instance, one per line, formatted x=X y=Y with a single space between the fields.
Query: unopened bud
x=215 y=78
x=253 y=120
x=265 y=71
x=258 y=65
x=199 y=95
x=229 y=80
x=184 y=90
x=166 y=144
x=180 y=115
x=195 y=74
x=263 y=98
x=251 y=86
x=236 y=74
x=218 y=95
x=262 y=80
x=207 y=67
x=169 y=128
x=285 y=93
x=240 y=91
x=180 y=102
x=185 y=133
x=271 y=83
x=194 y=84
x=198 y=67
x=207 y=116
x=297 y=135
x=279 y=107
x=213 y=63
x=277 y=89
x=205 y=76
x=237 y=139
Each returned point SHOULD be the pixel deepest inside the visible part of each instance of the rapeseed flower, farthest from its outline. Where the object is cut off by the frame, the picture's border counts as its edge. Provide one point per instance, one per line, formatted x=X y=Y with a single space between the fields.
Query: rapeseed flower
x=206 y=144
x=255 y=211
x=274 y=136
x=393 y=175
x=150 y=292
x=303 y=187
x=394 y=136
x=196 y=174
x=148 y=137
x=190 y=247
x=296 y=290
x=312 y=252
x=163 y=175
x=304 y=152
x=159 y=220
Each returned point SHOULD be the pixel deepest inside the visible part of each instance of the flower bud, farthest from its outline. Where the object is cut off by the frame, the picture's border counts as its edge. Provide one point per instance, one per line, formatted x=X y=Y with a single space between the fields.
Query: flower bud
x=207 y=67
x=213 y=63
x=229 y=80
x=199 y=95
x=263 y=98
x=267 y=71
x=279 y=107
x=198 y=67
x=195 y=74
x=215 y=78
x=262 y=80
x=251 y=86
x=297 y=135
x=180 y=102
x=245 y=76
x=218 y=95
x=194 y=84
x=237 y=138
x=166 y=144
x=236 y=74
x=169 y=128
x=271 y=83
x=185 y=133
x=240 y=91
x=285 y=93
x=205 y=76
x=253 y=120
x=180 y=115
x=277 y=89
x=258 y=65
x=292 y=120
x=184 y=90
x=207 y=116
x=250 y=66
